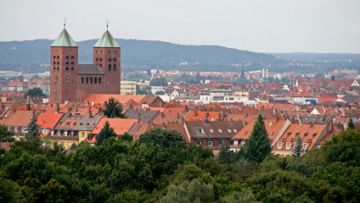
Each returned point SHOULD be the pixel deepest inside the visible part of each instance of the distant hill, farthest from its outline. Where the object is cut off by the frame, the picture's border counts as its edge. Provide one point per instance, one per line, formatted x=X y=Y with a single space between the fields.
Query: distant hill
x=142 y=55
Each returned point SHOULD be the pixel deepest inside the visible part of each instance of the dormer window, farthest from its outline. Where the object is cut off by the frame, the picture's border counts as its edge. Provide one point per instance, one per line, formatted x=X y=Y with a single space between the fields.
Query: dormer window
x=279 y=145
x=220 y=131
x=229 y=130
x=288 y=145
x=211 y=130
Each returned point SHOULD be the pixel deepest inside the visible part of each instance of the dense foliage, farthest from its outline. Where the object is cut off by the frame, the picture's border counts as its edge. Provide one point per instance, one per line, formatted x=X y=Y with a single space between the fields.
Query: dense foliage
x=6 y=135
x=113 y=109
x=35 y=92
x=159 y=170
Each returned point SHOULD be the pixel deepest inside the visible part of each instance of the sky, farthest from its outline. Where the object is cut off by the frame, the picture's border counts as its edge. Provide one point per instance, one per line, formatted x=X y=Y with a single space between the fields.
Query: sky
x=255 y=25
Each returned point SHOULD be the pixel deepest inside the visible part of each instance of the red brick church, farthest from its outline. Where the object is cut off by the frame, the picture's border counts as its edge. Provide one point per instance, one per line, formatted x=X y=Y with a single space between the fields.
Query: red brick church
x=71 y=81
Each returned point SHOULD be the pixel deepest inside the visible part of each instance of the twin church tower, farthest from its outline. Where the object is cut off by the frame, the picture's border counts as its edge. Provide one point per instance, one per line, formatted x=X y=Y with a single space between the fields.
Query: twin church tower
x=71 y=81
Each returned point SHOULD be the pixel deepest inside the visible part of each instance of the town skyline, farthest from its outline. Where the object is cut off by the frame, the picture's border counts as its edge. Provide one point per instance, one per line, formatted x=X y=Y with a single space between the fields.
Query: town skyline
x=279 y=26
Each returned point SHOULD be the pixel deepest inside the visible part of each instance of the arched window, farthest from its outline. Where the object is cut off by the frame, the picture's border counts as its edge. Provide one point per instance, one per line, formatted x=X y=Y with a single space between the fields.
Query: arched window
x=95 y=80
x=91 y=80
x=99 y=80
x=109 y=66
x=82 y=80
x=86 y=80
x=114 y=67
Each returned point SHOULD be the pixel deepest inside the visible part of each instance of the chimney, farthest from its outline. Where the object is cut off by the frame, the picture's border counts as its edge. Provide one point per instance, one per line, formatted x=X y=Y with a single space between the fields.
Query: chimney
x=28 y=105
x=57 y=108
x=90 y=113
x=222 y=115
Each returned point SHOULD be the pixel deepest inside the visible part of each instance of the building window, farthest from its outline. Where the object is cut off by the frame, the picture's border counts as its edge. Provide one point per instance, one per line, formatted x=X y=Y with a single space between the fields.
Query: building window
x=67 y=68
x=100 y=59
x=222 y=142
x=210 y=143
x=114 y=67
x=67 y=62
x=72 y=63
x=99 y=80
x=72 y=57
x=109 y=66
x=280 y=144
x=95 y=80
x=114 y=59
x=86 y=80
x=109 y=59
x=82 y=80
x=96 y=59
x=198 y=142
x=100 y=65
x=67 y=57
x=91 y=80
x=304 y=146
x=288 y=145
x=72 y=68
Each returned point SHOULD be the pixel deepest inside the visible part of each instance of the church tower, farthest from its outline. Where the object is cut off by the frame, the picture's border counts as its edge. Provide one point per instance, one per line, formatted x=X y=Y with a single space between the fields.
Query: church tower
x=64 y=68
x=107 y=56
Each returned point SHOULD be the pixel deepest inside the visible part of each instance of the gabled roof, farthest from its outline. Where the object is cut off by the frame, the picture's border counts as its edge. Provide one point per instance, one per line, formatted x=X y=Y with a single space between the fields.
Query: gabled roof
x=19 y=119
x=64 y=40
x=213 y=129
x=90 y=69
x=120 y=125
x=145 y=116
x=107 y=40
x=48 y=120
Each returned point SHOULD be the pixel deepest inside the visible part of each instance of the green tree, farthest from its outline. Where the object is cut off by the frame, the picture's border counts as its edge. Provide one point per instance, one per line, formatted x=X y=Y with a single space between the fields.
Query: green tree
x=193 y=191
x=33 y=128
x=113 y=109
x=344 y=147
x=106 y=132
x=35 y=92
x=228 y=156
x=6 y=135
x=258 y=146
x=126 y=137
x=298 y=147
x=245 y=196
x=351 y=124
x=163 y=138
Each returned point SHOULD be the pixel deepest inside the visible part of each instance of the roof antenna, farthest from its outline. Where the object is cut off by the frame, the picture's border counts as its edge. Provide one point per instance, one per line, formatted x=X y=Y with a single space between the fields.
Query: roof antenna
x=64 y=23
x=107 y=24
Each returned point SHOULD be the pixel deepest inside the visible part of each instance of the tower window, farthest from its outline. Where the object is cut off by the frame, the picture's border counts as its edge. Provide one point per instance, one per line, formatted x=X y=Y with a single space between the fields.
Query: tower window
x=67 y=68
x=72 y=68
x=91 y=80
x=114 y=67
x=100 y=65
x=109 y=66
x=57 y=57
x=54 y=62
x=95 y=80
x=100 y=59
x=54 y=57
x=86 y=80
x=72 y=62
x=99 y=80
x=72 y=57
x=96 y=59
x=58 y=62
x=67 y=62
x=109 y=59
x=67 y=57
x=114 y=59
x=82 y=80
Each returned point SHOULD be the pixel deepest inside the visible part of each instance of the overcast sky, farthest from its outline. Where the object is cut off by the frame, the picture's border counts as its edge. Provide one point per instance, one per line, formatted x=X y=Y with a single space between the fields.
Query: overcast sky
x=255 y=25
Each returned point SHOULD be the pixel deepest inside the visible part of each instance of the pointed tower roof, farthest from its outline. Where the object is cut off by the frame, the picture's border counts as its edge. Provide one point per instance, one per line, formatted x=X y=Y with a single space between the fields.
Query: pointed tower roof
x=64 y=40
x=107 y=40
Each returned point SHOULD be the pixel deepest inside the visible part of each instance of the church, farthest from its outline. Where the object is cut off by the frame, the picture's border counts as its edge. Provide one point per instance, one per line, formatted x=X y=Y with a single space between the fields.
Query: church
x=73 y=82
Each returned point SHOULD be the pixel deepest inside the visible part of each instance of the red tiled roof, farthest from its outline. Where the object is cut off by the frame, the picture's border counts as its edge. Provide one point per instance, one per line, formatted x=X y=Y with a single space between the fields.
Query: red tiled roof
x=48 y=120
x=120 y=125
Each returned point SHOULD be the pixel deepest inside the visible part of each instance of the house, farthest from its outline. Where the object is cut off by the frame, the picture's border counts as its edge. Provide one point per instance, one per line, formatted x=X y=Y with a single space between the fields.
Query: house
x=212 y=134
x=86 y=124
x=274 y=128
x=311 y=135
x=120 y=126
x=47 y=122
x=17 y=121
